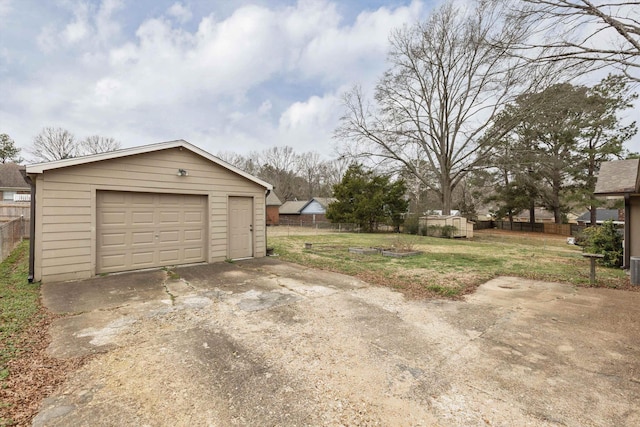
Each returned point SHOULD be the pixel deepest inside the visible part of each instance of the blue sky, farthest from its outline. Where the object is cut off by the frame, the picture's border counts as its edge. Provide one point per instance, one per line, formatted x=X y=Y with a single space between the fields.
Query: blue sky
x=228 y=75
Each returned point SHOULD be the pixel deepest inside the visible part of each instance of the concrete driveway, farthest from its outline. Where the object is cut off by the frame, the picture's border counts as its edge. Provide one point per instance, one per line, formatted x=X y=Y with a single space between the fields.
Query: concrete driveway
x=267 y=343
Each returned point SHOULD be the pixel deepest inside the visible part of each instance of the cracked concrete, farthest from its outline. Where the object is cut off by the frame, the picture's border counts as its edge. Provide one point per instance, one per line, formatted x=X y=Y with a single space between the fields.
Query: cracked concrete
x=263 y=342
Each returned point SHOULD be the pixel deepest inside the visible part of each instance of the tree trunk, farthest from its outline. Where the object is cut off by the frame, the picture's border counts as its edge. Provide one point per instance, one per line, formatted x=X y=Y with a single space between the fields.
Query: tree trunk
x=446 y=193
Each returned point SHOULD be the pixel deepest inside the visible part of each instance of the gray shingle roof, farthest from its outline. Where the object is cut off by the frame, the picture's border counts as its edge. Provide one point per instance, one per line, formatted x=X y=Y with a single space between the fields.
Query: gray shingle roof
x=292 y=208
x=272 y=200
x=601 y=215
x=618 y=177
x=11 y=176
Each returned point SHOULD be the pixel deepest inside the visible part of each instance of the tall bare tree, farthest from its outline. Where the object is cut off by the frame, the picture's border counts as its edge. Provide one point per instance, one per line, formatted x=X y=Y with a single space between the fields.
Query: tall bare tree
x=594 y=32
x=53 y=144
x=96 y=144
x=448 y=79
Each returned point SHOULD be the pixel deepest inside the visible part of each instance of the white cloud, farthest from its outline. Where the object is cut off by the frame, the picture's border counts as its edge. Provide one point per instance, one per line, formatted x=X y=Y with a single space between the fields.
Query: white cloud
x=259 y=76
x=79 y=29
x=181 y=12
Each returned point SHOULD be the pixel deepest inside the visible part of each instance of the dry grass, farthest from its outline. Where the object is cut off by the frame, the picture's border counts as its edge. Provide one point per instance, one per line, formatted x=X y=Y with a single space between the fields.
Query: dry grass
x=447 y=267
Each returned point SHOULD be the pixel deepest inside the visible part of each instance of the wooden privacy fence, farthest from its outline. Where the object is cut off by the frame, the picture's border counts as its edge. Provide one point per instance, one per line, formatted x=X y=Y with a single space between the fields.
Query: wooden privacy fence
x=9 y=211
x=12 y=233
x=538 y=227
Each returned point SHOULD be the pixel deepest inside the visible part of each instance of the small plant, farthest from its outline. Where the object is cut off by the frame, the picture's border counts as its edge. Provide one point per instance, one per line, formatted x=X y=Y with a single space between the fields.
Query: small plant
x=400 y=244
x=448 y=231
x=229 y=260
x=605 y=240
x=412 y=225
x=434 y=230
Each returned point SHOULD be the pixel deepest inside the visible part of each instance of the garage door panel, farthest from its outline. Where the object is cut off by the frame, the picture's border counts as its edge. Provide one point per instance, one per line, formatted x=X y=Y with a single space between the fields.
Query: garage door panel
x=142 y=218
x=193 y=254
x=140 y=199
x=193 y=235
x=113 y=198
x=193 y=217
x=169 y=236
x=112 y=239
x=168 y=217
x=142 y=237
x=141 y=230
x=113 y=261
x=169 y=256
x=113 y=218
x=142 y=259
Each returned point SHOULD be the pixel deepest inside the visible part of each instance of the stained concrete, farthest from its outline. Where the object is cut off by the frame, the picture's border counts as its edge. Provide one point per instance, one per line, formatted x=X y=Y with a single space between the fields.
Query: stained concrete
x=263 y=342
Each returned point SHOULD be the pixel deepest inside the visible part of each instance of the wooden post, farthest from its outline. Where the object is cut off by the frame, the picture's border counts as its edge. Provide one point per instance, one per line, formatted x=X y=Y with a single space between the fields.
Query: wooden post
x=592 y=272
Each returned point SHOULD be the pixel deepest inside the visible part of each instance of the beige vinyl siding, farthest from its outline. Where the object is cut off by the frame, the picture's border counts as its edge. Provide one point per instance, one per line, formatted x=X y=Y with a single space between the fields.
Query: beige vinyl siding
x=66 y=205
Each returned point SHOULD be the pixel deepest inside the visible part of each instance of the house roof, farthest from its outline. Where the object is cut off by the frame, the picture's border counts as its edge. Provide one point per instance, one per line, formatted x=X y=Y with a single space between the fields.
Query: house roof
x=12 y=177
x=601 y=215
x=540 y=214
x=618 y=177
x=296 y=207
x=180 y=143
x=292 y=207
x=324 y=201
x=272 y=200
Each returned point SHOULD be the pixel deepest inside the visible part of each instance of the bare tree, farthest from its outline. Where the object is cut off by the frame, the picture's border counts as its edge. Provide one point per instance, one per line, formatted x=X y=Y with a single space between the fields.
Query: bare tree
x=310 y=168
x=591 y=32
x=249 y=163
x=53 y=144
x=96 y=144
x=447 y=81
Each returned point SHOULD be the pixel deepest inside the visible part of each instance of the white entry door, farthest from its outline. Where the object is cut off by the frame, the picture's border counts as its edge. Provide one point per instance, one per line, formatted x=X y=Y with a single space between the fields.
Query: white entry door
x=240 y=227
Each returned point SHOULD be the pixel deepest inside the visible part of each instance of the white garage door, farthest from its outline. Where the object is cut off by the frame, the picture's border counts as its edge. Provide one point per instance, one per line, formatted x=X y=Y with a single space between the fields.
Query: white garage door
x=142 y=230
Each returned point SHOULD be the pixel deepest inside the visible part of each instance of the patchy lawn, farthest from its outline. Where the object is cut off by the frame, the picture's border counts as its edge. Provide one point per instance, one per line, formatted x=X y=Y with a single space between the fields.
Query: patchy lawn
x=27 y=373
x=446 y=267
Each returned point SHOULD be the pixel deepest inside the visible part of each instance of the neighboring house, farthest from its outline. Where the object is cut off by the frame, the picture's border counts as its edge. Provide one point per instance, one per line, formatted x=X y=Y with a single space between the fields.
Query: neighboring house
x=621 y=179
x=152 y=206
x=307 y=212
x=273 y=209
x=602 y=215
x=13 y=186
x=541 y=215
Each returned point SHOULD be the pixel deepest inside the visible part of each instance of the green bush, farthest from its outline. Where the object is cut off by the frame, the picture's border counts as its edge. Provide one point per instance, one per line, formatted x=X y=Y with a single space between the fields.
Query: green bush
x=434 y=230
x=605 y=240
x=411 y=225
x=448 y=231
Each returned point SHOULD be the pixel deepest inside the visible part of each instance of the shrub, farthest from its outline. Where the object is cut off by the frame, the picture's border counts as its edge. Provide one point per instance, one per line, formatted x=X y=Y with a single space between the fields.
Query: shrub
x=448 y=231
x=411 y=225
x=434 y=230
x=605 y=240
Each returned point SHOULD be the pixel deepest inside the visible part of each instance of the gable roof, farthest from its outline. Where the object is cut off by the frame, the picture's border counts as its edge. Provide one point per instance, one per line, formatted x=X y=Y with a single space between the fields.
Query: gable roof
x=272 y=200
x=292 y=207
x=180 y=143
x=324 y=201
x=618 y=177
x=12 y=177
x=296 y=207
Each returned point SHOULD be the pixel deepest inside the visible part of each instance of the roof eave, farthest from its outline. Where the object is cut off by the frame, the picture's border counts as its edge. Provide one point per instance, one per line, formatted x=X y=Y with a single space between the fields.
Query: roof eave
x=39 y=168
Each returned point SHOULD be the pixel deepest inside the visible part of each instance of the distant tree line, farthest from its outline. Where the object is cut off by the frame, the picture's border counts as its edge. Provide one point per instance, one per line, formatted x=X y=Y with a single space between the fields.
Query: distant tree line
x=295 y=176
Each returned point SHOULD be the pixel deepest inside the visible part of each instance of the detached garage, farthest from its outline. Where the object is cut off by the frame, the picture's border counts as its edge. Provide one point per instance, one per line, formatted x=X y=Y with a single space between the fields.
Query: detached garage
x=153 y=206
